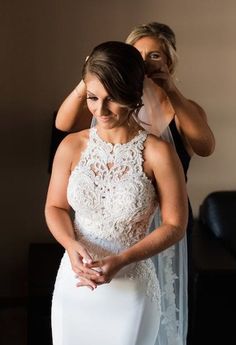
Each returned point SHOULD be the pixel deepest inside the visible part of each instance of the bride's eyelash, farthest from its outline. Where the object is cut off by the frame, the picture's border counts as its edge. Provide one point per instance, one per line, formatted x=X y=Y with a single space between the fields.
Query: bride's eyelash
x=93 y=98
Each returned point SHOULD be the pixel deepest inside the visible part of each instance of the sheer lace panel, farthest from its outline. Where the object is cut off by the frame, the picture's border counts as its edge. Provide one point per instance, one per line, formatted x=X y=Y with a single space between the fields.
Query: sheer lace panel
x=113 y=199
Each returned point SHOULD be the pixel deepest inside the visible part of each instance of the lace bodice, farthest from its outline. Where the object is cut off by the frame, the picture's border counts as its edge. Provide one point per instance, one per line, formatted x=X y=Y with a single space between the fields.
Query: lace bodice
x=112 y=197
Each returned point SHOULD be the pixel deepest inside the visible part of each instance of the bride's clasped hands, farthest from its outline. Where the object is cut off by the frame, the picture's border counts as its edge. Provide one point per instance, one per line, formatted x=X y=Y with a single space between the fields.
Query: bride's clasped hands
x=99 y=272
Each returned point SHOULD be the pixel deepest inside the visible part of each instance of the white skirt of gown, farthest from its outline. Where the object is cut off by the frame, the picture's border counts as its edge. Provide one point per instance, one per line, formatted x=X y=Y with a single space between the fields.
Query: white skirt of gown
x=124 y=312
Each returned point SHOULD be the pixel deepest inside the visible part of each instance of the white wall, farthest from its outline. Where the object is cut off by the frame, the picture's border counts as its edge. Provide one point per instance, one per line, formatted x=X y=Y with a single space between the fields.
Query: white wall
x=43 y=46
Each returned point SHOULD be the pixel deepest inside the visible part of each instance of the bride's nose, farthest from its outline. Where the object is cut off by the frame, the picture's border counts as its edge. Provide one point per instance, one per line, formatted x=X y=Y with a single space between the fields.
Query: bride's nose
x=102 y=109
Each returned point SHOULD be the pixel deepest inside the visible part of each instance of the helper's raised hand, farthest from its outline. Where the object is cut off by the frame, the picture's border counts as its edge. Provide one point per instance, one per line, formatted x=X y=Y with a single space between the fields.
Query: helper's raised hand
x=160 y=75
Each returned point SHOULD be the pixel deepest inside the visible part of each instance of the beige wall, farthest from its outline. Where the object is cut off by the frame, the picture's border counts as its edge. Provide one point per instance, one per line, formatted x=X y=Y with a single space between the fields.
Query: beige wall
x=43 y=45
x=206 y=34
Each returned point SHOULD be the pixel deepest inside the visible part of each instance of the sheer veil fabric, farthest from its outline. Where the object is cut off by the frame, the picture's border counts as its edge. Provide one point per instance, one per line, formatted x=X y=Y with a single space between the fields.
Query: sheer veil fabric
x=171 y=264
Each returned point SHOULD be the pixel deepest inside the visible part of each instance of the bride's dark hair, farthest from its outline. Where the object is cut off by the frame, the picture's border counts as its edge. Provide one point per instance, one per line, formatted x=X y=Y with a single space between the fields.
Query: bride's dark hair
x=120 y=68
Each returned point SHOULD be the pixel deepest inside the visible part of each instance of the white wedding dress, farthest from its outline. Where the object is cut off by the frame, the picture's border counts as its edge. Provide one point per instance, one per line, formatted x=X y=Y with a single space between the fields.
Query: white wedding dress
x=114 y=203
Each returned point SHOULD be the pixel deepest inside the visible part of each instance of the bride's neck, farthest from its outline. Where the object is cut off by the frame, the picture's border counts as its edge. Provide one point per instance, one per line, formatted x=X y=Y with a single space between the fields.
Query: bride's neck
x=118 y=135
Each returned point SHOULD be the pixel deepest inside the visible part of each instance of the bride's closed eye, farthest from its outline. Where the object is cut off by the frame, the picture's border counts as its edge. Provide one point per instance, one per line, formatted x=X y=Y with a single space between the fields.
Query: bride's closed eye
x=92 y=98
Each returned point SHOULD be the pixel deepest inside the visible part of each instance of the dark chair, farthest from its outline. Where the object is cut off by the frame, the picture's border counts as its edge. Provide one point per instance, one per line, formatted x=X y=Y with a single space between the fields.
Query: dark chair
x=214 y=271
x=44 y=259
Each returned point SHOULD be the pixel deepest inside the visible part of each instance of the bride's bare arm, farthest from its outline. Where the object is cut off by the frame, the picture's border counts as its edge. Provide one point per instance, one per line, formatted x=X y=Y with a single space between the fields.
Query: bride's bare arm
x=172 y=195
x=73 y=115
x=57 y=211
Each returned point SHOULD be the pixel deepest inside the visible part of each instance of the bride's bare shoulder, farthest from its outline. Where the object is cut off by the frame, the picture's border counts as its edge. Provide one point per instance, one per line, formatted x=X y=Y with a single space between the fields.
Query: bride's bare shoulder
x=158 y=150
x=153 y=143
x=73 y=143
x=75 y=140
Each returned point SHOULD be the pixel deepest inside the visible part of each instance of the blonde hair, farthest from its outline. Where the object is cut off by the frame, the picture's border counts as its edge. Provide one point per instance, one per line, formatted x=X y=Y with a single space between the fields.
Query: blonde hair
x=161 y=32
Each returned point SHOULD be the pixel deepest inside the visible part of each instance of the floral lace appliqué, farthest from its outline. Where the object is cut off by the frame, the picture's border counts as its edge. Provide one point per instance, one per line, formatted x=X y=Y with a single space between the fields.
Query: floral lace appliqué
x=113 y=199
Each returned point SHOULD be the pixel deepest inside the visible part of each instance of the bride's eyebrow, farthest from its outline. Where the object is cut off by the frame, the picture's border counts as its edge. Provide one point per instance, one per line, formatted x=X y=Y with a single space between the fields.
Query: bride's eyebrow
x=90 y=93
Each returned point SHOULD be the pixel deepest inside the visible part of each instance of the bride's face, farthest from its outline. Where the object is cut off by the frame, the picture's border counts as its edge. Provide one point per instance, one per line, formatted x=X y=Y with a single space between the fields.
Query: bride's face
x=107 y=111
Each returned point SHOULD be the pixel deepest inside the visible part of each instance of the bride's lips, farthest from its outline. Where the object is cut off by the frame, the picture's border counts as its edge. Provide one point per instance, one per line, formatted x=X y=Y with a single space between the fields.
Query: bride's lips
x=104 y=118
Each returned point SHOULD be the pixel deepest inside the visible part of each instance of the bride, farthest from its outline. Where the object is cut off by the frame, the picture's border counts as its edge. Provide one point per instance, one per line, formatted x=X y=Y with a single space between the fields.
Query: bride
x=114 y=176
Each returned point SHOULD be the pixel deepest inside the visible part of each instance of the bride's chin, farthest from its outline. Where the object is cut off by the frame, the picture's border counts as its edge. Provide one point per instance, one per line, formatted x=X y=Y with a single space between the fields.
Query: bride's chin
x=109 y=123
x=106 y=125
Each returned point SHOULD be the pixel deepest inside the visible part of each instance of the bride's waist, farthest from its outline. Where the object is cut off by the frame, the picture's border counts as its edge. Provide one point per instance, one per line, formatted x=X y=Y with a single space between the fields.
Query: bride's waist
x=100 y=247
x=111 y=238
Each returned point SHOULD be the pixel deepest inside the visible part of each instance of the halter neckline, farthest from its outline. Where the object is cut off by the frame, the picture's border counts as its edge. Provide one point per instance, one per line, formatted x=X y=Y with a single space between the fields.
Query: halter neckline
x=137 y=135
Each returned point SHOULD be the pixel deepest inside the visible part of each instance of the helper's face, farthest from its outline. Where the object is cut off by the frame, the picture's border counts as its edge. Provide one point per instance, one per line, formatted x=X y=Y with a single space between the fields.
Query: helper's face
x=108 y=112
x=152 y=53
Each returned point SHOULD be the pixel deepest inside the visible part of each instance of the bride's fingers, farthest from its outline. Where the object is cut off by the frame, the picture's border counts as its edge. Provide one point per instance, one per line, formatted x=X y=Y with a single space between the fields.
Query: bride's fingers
x=96 y=265
x=82 y=281
x=79 y=267
x=77 y=262
x=84 y=254
x=86 y=271
x=91 y=276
